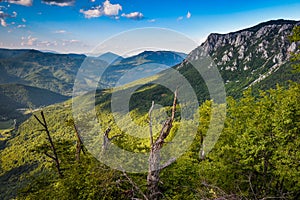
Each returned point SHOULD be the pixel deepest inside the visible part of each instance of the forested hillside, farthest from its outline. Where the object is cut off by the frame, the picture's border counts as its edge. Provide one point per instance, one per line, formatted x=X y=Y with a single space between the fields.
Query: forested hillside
x=256 y=156
x=17 y=96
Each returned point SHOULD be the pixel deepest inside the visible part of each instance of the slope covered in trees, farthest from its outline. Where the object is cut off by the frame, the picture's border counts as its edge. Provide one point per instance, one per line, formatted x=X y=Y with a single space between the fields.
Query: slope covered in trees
x=256 y=156
x=17 y=96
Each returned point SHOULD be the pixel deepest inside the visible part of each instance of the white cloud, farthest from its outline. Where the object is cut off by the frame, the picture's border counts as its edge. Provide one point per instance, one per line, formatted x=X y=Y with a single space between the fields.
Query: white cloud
x=180 y=18
x=93 y=1
x=107 y=9
x=151 y=20
x=188 y=15
x=111 y=9
x=4 y=16
x=3 y=22
x=21 y=26
x=61 y=3
x=45 y=43
x=29 y=41
x=134 y=15
x=91 y=13
x=69 y=42
x=21 y=2
x=60 y=32
x=23 y=20
x=74 y=41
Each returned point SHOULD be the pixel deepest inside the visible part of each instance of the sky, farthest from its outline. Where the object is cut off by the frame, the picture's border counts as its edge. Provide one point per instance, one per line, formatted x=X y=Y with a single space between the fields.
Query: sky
x=78 y=26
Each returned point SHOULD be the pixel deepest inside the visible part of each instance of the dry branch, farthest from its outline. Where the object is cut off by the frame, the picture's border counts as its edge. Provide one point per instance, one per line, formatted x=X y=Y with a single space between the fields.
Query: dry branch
x=54 y=157
x=154 y=158
x=107 y=140
x=135 y=185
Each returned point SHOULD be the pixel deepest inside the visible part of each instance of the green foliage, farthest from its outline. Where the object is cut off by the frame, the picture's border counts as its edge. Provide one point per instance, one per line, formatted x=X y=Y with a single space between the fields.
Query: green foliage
x=87 y=179
x=24 y=99
x=256 y=156
x=295 y=37
x=258 y=151
x=49 y=71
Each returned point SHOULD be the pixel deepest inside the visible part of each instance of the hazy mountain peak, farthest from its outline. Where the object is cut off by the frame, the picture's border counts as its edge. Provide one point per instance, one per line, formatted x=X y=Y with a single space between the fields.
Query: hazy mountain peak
x=110 y=57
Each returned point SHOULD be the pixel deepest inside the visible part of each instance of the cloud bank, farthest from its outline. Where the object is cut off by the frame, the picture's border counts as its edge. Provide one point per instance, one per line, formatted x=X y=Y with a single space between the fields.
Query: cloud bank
x=107 y=9
x=60 y=3
x=134 y=15
x=20 y=2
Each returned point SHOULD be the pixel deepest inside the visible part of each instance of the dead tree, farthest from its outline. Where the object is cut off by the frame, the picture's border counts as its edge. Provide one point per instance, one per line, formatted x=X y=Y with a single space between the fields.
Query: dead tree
x=79 y=143
x=54 y=157
x=154 y=158
x=107 y=140
x=136 y=187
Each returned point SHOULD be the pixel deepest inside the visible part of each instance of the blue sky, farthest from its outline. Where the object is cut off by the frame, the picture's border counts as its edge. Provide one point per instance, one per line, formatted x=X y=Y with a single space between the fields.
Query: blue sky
x=78 y=26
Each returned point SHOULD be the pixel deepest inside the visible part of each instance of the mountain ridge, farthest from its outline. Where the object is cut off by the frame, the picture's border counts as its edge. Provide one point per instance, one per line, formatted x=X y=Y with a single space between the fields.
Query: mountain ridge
x=251 y=55
x=55 y=72
x=18 y=159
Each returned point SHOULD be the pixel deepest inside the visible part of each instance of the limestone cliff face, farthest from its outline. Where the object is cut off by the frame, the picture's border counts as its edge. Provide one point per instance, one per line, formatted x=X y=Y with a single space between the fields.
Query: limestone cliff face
x=252 y=54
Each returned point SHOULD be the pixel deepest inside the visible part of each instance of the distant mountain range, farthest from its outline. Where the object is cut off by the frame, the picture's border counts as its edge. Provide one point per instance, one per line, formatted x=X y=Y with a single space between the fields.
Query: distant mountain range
x=110 y=57
x=145 y=64
x=256 y=57
x=55 y=74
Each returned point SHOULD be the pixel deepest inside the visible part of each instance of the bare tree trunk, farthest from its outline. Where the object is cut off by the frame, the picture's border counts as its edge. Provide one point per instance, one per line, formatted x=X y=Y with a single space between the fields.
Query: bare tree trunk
x=54 y=157
x=79 y=144
x=154 y=158
x=107 y=140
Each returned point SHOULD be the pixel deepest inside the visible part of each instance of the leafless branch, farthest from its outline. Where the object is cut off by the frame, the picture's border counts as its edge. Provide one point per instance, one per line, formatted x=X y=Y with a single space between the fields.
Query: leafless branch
x=150 y=124
x=154 y=157
x=250 y=184
x=50 y=156
x=174 y=104
x=115 y=136
x=169 y=162
x=135 y=185
x=55 y=157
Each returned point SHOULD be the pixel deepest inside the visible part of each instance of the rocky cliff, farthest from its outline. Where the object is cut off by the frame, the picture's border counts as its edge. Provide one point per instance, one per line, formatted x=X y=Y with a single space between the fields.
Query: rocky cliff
x=247 y=57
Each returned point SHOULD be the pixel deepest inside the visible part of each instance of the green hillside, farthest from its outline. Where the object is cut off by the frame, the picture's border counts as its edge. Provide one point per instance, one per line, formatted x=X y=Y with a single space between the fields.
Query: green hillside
x=57 y=72
x=258 y=133
x=17 y=96
x=54 y=72
x=249 y=160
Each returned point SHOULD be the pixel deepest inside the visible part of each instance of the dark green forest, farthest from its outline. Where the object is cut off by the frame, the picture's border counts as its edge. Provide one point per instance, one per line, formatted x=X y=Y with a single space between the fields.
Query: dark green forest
x=257 y=155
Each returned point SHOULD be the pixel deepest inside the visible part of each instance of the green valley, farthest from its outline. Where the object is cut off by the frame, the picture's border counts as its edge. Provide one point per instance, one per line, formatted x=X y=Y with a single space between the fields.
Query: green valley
x=255 y=157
